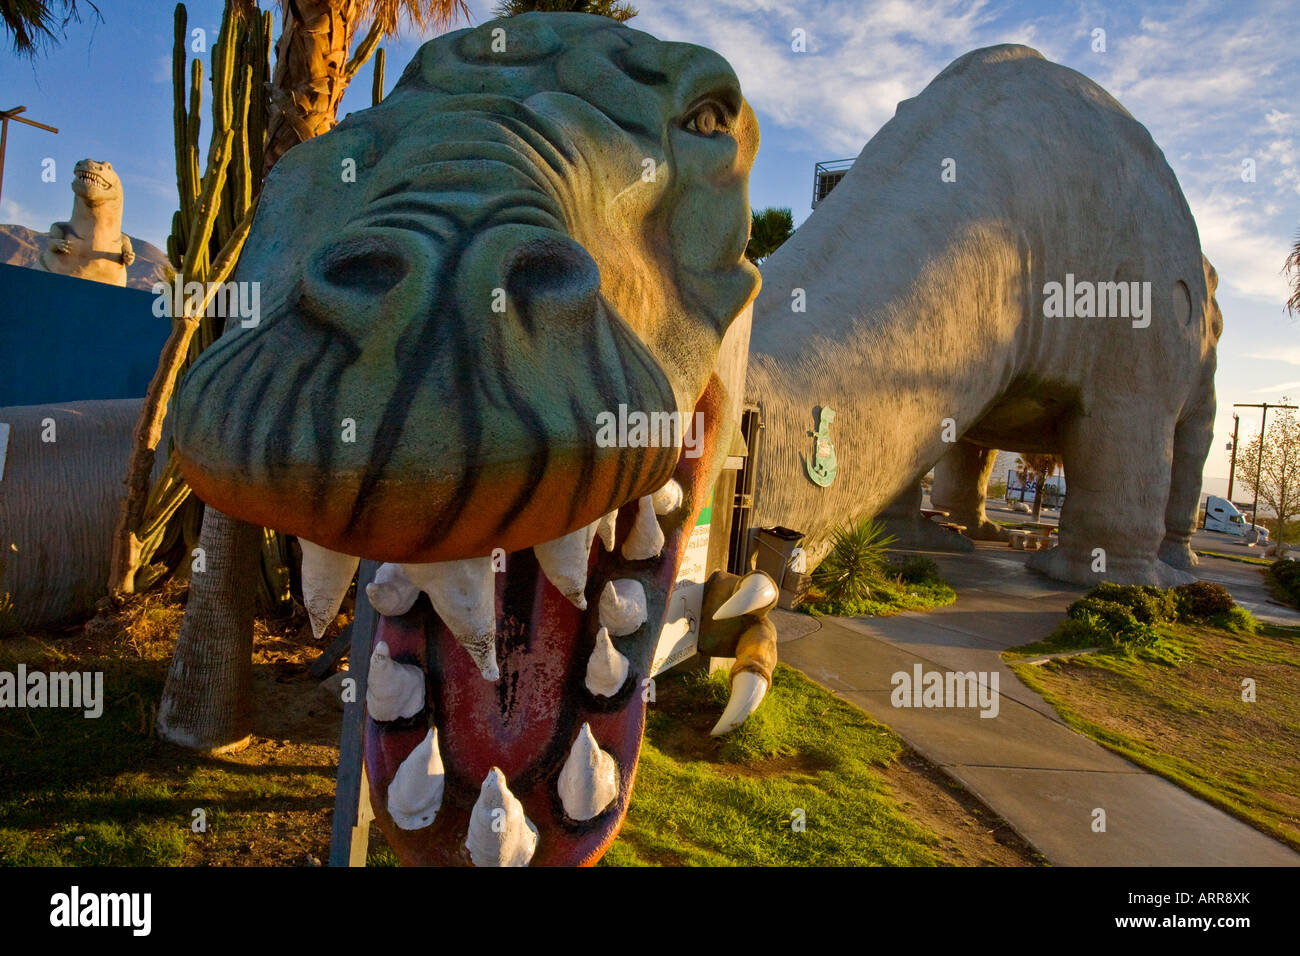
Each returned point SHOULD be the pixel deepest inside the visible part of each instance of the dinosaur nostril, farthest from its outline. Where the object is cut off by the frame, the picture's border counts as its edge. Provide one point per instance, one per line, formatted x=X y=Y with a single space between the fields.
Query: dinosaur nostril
x=553 y=279
x=371 y=265
x=359 y=276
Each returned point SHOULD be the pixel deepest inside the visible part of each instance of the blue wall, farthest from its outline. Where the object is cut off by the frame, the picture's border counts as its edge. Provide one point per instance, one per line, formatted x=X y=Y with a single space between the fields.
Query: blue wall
x=68 y=340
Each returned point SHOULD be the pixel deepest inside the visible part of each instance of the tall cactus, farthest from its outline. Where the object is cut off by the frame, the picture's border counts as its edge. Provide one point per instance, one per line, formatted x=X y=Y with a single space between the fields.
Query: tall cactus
x=208 y=231
x=377 y=87
x=215 y=211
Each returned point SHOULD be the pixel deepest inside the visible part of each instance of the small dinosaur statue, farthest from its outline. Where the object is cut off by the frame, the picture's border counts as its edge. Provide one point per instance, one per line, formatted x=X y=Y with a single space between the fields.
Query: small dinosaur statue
x=91 y=245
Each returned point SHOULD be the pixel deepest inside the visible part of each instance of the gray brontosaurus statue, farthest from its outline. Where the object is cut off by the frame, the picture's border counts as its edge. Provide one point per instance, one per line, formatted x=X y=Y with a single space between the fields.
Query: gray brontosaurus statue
x=1011 y=262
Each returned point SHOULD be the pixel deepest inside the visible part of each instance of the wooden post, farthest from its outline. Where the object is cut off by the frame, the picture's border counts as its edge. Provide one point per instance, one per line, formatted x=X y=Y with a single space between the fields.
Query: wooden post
x=5 y=117
x=350 y=838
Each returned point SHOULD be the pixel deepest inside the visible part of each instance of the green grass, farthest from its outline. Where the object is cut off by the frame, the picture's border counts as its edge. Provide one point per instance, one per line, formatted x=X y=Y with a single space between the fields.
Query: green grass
x=1175 y=707
x=1242 y=558
x=887 y=598
x=107 y=792
x=700 y=801
x=904 y=582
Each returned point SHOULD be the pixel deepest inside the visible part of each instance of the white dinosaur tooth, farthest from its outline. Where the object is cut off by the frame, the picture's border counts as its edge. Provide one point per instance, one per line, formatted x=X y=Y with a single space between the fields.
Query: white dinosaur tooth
x=564 y=562
x=747 y=690
x=646 y=539
x=668 y=498
x=391 y=592
x=589 y=779
x=326 y=576
x=500 y=834
x=464 y=595
x=755 y=592
x=622 y=606
x=605 y=529
x=415 y=795
x=393 y=689
x=606 y=668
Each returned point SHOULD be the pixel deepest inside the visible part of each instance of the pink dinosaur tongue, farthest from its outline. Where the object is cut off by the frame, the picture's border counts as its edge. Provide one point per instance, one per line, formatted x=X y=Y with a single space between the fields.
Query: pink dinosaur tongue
x=524 y=723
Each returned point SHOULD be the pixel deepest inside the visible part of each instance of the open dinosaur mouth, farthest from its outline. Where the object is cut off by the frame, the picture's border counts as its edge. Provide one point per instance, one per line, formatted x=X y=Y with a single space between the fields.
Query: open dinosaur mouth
x=535 y=766
x=91 y=179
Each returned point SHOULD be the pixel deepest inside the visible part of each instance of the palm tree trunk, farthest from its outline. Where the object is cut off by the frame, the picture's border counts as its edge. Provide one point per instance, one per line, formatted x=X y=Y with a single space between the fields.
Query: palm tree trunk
x=1038 y=497
x=207 y=699
x=207 y=702
x=310 y=78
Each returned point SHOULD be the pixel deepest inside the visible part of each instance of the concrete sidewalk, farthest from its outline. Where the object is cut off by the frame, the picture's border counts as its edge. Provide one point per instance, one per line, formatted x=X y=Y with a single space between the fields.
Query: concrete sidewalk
x=1043 y=778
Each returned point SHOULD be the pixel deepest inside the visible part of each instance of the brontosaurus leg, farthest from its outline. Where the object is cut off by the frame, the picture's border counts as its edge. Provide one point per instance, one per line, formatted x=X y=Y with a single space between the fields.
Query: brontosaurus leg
x=1192 y=437
x=1113 y=519
x=961 y=479
x=902 y=518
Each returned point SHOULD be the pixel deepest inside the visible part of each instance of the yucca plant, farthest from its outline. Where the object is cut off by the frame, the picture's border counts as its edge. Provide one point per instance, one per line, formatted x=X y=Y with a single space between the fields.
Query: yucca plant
x=858 y=557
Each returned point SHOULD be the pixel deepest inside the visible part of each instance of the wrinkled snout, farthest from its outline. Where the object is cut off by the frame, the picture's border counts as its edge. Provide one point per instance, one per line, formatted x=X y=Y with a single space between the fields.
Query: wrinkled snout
x=437 y=375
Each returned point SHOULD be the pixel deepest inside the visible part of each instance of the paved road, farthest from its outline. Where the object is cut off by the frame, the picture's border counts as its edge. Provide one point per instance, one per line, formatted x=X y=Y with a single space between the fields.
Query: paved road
x=1044 y=779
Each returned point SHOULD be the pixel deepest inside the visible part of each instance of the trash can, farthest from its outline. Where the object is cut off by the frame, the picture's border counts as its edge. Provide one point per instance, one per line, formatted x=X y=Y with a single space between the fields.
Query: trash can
x=775 y=548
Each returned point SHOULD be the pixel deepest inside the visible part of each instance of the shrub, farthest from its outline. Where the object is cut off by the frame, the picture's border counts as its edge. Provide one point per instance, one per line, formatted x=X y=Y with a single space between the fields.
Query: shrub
x=1286 y=575
x=1202 y=600
x=1114 y=615
x=1237 y=621
x=1149 y=605
x=915 y=568
x=858 y=557
x=1111 y=622
x=1087 y=630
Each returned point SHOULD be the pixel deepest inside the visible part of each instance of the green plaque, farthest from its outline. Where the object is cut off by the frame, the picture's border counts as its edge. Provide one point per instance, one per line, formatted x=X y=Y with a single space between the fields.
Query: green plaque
x=822 y=466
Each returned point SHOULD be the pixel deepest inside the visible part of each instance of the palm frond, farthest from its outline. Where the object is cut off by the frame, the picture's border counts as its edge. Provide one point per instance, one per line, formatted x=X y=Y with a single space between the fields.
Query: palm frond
x=33 y=22
x=1292 y=271
x=614 y=9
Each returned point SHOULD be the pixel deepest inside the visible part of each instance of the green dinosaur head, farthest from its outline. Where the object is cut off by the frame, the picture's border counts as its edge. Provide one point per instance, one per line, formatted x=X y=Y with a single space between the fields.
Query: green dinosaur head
x=544 y=220
x=542 y=228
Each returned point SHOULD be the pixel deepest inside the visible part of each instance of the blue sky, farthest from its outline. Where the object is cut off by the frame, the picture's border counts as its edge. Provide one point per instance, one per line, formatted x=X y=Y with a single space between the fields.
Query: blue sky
x=1215 y=82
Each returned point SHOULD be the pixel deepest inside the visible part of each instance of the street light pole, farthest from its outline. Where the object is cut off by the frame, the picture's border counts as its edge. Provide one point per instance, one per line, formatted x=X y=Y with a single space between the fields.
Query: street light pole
x=1259 y=462
x=1232 y=465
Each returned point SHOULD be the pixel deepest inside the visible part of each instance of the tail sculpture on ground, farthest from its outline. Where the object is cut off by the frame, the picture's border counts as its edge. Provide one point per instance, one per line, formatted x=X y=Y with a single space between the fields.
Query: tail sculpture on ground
x=1009 y=263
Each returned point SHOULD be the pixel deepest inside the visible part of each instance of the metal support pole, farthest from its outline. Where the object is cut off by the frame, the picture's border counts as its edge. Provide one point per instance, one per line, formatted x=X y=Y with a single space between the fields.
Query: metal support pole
x=1259 y=461
x=1232 y=465
x=1259 y=465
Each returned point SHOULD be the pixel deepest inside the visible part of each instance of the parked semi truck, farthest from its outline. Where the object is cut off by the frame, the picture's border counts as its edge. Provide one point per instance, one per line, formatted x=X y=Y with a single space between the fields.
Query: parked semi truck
x=1222 y=515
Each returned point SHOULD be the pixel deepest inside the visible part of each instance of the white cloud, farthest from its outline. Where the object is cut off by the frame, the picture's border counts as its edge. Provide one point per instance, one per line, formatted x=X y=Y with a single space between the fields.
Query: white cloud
x=1279 y=122
x=1248 y=258
x=1291 y=356
x=13 y=212
x=162 y=69
x=860 y=60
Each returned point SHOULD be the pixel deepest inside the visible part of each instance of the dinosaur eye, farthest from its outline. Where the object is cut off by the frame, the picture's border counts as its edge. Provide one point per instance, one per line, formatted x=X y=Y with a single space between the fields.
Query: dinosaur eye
x=706 y=119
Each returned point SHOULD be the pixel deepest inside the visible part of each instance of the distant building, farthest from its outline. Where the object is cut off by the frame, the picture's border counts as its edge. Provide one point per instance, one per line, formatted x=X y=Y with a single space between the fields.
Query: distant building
x=826 y=176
